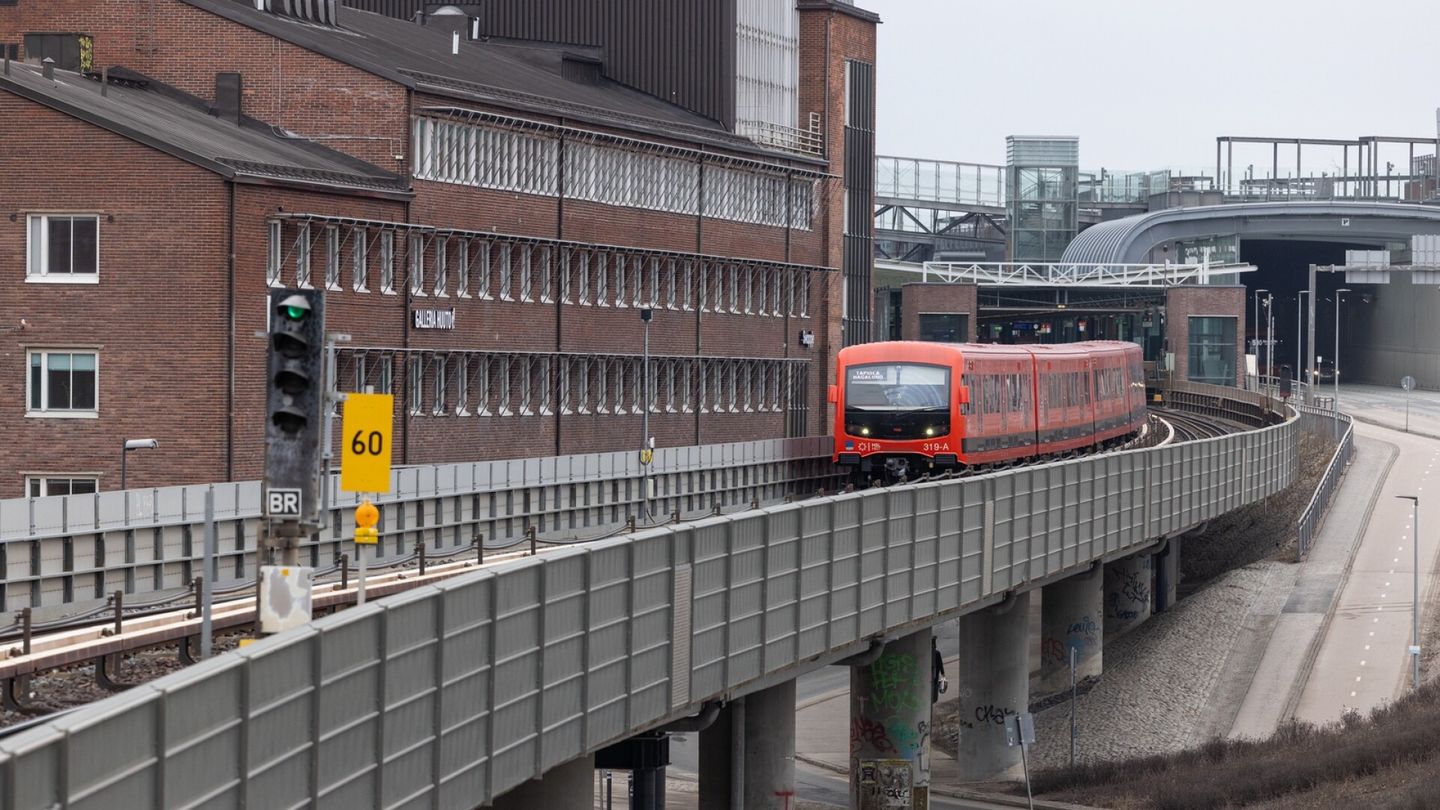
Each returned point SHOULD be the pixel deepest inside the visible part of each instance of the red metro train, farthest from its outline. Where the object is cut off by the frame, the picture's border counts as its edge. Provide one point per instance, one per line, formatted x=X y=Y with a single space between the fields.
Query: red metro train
x=922 y=407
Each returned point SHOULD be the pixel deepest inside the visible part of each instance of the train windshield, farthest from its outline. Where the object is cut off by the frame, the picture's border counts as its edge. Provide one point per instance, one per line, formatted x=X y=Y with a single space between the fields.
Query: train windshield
x=897 y=387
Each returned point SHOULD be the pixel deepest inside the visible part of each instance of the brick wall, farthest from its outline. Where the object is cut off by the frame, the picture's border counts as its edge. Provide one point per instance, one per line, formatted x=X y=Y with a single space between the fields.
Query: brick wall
x=917 y=299
x=1183 y=303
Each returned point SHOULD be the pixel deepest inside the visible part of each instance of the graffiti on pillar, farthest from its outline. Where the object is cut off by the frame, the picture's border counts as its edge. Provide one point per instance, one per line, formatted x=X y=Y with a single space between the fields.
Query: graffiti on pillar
x=987 y=715
x=1124 y=602
x=894 y=681
x=886 y=784
x=787 y=797
x=922 y=753
x=1081 y=636
x=866 y=732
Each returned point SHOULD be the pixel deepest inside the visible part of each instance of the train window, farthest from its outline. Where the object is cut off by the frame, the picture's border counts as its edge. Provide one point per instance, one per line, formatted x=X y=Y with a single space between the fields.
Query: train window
x=897 y=387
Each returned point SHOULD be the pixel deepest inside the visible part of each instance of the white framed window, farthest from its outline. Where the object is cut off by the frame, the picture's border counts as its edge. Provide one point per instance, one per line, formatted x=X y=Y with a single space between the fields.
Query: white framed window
x=504 y=368
x=731 y=381
x=617 y=376
x=542 y=380
x=565 y=368
x=483 y=390
x=506 y=271
x=462 y=269
x=702 y=384
x=439 y=407
x=761 y=403
x=276 y=254
x=790 y=283
x=620 y=291
x=775 y=376
x=442 y=268
x=748 y=377
x=546 y=266
x=717 y=382
x=704 y=283
x=718 y=276
x=527 y=255
x=686 y=369
x=63 y=383
x=747 y=283
x=360 y=260
x=777 y=305
x=44 y=486
x=671 y=367
x=332 y=257
x=672 y=284
x=387 y=262
x=804 y=293
x=654 y=296
x=527 y=389
x=637 y=281
x=64 y=248
x=687 y=285
x=563 y=273
x=734 y=289
x=761 y=287
x=602 y=385
x=582 y=292
x=416 y=264
x=637 y=386
x=482 y=270
x=385 y=370
x=417 y=384
x=302 y=256
x=602 y=287
x=582 y=380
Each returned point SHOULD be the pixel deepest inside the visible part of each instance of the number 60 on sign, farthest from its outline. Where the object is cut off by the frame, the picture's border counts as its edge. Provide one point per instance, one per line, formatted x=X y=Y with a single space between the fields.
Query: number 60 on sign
x=365 y=443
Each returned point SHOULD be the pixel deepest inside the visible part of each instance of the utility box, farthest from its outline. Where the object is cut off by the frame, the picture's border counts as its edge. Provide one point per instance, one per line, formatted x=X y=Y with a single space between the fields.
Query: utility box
x=285 y=597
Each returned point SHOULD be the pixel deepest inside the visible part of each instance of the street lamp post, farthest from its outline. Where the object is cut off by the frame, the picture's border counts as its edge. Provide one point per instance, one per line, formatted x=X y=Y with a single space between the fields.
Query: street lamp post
x=1336 y=358
x=1299 y=319
x=133 y=444
x=1270 y=338
x=1256 y=327
x=1415 y=606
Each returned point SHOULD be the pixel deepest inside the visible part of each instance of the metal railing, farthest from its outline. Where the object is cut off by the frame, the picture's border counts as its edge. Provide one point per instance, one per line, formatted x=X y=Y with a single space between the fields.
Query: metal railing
x=1323 y=422
x=940 y=181
x=1073 y=274
x=452 y=694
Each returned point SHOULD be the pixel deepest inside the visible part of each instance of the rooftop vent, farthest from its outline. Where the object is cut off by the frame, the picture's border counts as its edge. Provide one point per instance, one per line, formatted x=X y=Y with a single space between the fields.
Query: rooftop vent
x=581 y=69
x=322 y=12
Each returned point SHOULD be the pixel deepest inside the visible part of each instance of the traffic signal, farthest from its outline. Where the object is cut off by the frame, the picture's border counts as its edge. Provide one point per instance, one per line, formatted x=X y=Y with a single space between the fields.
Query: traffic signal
x=295 y=407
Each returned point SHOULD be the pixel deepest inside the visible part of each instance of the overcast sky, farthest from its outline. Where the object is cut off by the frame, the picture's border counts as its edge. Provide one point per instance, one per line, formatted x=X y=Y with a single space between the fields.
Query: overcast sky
x=1149 y=85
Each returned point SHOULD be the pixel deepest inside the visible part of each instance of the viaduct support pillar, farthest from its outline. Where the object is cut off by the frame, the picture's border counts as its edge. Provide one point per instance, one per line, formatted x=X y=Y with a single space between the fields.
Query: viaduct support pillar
x=569 y=785
x=994 y=684
x=1167 y=575
x=1072 y=615
x=1127 y=593
x=890 y=726
x=758 y=733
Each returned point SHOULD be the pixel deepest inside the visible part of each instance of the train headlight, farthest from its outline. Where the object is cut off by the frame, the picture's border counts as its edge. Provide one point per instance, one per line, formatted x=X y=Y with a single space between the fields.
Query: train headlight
x=864 y=431
x=929 y=431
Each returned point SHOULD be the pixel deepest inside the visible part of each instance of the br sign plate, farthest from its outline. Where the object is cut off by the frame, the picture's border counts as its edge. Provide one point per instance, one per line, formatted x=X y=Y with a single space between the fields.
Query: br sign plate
x=282 y=503
x=1408 y=383
x=365 y=443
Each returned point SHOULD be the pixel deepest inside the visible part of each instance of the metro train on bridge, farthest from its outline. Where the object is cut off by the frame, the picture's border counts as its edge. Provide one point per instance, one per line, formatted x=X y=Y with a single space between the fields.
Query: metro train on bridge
x=911 y=408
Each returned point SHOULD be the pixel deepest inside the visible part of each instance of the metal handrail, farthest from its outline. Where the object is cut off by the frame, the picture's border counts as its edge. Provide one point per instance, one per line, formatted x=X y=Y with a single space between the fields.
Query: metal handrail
x=1312 y=518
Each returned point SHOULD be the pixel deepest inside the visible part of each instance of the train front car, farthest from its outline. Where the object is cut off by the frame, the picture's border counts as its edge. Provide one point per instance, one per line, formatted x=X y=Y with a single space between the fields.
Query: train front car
x=895 y=405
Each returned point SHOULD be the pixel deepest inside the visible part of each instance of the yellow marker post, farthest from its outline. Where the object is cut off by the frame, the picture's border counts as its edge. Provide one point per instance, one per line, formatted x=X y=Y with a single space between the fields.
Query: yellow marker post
x=365 y=443
x=366 y=518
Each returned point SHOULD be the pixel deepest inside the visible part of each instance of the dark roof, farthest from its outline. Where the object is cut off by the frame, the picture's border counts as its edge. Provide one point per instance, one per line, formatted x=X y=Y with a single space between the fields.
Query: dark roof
x=524 y=75
x=168 y=120
x=842 y=6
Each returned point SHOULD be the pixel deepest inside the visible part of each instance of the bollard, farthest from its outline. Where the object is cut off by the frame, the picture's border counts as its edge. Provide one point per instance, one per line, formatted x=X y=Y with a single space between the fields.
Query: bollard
x=480 y=548
x=675 y=516
x=118 y=599
x=198 y=586
x=629 y=523
x=420 y=549
x=530 y=533
x=25 y=631
x=344 y=571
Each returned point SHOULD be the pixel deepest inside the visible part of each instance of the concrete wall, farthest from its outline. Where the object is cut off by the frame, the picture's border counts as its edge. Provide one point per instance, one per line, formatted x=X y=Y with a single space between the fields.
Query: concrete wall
x=1394 y=334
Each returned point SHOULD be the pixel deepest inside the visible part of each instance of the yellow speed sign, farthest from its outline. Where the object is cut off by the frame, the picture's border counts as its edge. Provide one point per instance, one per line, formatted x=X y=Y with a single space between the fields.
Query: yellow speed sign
x=365 y=443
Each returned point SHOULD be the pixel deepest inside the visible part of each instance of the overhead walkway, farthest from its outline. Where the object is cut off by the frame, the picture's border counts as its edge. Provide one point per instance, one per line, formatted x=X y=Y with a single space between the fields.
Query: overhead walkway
x=448 y=696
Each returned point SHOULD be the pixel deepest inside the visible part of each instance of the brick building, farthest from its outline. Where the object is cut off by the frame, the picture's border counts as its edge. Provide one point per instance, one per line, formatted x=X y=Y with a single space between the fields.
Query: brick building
x=485 y=217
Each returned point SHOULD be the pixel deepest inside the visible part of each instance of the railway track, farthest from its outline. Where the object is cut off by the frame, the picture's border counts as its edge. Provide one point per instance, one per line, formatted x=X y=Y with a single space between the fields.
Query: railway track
x=1189 y=427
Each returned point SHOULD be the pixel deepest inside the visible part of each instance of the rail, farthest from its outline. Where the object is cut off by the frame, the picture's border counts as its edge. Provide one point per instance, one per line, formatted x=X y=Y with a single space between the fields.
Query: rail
x=452 y=694
x=1318 y=421
x=71 y=552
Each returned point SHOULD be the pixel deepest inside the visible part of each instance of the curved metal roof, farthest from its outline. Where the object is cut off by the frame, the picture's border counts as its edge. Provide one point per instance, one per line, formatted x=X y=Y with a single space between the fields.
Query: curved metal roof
x=1130 y=239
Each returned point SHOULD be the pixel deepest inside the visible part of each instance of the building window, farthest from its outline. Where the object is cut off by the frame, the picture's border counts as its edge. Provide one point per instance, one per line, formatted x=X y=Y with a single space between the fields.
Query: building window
x=527 y=256
x=671 y=367
x=62 y=383
x=442 y=271
x=583 y=280
x=439 y=407
x=602 y=287
x=582 y=379
x=64 y=248
x=332 y=258
x=44 y=486
x=462 y=269
x=602 y=385
x=503 y=369
x=417 y=384
x=482 y=270
x=1212 y=350
x=685 y=386
x=944 y=327
x=527 y=391
x=360 y=261
x=386 y=372
x=617 y=376
x=302 y=256
x=387 y=262
x=688 y=285
x=416 y=265
x=482 y=386
x=506 y=255
x=272 y=266
x=546 y=260
x=620 y=280
x=542 y=379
